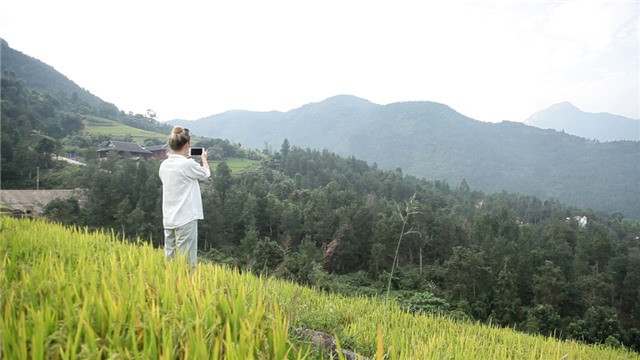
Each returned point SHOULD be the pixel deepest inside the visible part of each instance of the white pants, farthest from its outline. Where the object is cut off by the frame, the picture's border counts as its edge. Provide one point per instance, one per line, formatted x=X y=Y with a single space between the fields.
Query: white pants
x=185 y=239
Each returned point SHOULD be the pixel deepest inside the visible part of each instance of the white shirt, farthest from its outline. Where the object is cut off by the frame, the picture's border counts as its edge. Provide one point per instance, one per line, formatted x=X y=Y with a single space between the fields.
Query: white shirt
x=181 y=199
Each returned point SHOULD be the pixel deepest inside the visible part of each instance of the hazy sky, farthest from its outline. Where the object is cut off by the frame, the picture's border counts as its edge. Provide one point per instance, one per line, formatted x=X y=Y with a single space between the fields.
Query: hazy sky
x=489 y=60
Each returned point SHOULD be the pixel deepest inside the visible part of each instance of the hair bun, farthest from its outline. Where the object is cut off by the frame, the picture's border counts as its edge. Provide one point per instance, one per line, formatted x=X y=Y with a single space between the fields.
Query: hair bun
x=179 y=137
x=177 y=129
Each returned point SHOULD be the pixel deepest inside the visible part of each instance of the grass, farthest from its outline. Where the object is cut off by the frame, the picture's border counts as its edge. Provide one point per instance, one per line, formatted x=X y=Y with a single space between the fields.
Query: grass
x=67 y=293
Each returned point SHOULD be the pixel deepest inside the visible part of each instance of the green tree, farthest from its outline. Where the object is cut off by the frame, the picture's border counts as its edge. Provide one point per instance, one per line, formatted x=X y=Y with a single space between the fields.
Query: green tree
x=45 y=148
x=506 y=304
x=380 y=259
x=267 y=254
x=319 y=218
x=558 y=246
x=543 y=319
x=64 y=211
x=102 y=200
x=291 y=222
x=222 y=181
x=248 y=244
x=626 y=289
x=137 y=225
x=123 y=211
x=469 y=280
x=284 y=152
x=597 y=325
x=549 y=286
x=302 y=262
x=426 y=302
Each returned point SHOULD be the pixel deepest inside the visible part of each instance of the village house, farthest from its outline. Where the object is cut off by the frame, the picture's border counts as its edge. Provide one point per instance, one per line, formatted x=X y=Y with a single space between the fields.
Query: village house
x=159 y=151
x=580 y=221
x=122 y=148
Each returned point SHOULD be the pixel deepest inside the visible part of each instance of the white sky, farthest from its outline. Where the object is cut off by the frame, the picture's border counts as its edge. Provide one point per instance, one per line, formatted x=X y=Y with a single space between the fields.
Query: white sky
x=489 y=60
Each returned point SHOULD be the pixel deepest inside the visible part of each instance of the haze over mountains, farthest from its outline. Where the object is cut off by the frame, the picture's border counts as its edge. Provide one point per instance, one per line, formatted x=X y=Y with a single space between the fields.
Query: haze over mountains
x=600 y=126
x=433 y=141
x=424 y=139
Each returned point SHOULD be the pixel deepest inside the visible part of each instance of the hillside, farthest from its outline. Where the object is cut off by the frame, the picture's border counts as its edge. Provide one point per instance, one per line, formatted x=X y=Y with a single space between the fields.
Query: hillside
x=58 y=303
x=96 y=126
x=41 y=76
x=433 y=141
x=45 y=114
x=61 y=94
x=600 y=126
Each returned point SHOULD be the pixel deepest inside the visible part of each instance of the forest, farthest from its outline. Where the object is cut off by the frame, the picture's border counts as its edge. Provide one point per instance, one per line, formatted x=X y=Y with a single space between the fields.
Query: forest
x=340 y=224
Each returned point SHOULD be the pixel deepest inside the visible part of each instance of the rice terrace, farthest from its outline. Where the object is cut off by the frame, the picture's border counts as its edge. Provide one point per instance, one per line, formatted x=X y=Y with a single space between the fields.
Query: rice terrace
x=432 y=180
x=68 y=293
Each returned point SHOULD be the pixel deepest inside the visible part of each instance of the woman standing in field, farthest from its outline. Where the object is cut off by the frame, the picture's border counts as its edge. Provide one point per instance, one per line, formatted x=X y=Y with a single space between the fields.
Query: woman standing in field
x=181 y=199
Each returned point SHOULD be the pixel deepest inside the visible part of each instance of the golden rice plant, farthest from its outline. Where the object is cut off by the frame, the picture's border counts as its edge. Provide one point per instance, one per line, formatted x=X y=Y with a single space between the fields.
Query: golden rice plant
x=68 y=293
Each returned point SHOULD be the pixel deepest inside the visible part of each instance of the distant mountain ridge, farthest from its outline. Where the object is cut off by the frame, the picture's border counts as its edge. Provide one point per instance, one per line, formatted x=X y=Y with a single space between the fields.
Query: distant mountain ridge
x=424 y=139
x=601 y=126
x=433 y=141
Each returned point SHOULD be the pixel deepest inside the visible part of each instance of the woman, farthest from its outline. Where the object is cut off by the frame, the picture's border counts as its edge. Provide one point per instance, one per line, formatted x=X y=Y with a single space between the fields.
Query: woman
x=181 y=199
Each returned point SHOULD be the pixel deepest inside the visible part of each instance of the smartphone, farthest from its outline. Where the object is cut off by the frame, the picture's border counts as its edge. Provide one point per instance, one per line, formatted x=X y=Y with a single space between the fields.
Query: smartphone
x=195 y=151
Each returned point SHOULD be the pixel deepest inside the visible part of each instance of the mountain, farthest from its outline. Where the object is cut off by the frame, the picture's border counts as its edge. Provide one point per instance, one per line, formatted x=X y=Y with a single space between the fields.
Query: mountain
x=433 y=141
x=601 y=126
x=58 y=94
x=425 y=139
x=45 y=113
x=38 y=75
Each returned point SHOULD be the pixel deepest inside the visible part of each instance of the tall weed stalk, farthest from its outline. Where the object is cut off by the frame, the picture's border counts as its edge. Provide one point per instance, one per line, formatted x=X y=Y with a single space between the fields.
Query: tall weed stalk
x=410 y=208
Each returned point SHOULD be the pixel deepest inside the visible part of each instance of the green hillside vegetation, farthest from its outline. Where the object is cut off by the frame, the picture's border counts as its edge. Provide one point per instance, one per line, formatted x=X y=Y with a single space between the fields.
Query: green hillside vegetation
x=43 y=118
x=435 y=142
x=70 y=293
x=56 y=93
x=42 y=77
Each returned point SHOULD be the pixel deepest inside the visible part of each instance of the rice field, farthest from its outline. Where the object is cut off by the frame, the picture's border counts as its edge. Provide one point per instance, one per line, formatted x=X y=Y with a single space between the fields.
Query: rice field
x=101 y=126
x=68 y=293
x=237 y=165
